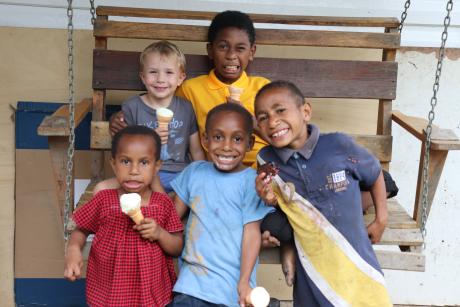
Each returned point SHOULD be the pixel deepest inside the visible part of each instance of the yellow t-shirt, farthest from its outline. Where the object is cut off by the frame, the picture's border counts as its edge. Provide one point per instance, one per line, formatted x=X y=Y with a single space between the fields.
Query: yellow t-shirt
x=207 y=91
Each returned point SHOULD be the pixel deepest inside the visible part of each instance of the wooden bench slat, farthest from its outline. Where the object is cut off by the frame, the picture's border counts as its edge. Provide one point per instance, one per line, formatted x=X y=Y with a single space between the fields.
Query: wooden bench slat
x=101 y=139
x=157 y=31
x=393 y=260
x=398 y=218
x=256 y=18
x=315 y=78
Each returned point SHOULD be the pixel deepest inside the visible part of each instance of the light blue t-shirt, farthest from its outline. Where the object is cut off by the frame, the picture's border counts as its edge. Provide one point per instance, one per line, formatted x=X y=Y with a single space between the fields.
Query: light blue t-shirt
x=220 y=205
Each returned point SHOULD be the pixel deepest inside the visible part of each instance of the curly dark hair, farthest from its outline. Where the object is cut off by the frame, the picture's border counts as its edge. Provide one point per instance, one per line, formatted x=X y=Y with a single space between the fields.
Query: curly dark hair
x=231 y=19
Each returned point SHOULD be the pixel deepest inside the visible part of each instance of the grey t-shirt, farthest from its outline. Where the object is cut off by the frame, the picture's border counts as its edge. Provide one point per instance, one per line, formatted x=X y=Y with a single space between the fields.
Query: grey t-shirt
x=174 y=154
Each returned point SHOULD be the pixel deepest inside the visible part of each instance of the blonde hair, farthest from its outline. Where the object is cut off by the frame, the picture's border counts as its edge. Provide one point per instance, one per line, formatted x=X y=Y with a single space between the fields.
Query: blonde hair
x=164 y=48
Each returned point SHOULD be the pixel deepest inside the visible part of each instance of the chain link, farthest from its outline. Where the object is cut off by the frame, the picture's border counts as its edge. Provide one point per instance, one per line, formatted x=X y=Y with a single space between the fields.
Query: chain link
x=71 y=148
x=433 y=102
x=403 y=16
x=93 y=12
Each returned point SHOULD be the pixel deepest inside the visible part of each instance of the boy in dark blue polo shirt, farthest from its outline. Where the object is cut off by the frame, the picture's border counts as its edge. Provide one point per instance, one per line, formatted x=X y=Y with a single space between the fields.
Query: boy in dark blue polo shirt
x=318 y=188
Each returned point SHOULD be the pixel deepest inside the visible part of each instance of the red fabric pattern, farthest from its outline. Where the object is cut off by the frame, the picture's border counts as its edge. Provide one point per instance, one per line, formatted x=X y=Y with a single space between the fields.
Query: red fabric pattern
x=123 y=268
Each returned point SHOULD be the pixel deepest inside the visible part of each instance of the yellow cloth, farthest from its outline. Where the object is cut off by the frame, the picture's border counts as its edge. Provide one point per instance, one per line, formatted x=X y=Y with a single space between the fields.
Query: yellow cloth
x=207 y=91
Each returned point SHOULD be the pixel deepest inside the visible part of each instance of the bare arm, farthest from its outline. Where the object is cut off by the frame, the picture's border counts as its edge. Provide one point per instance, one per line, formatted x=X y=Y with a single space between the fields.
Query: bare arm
x=181 y=207
x=378 y=192
x=249 y=252
x=171 y=243
x=73 y=255
x=195 y=147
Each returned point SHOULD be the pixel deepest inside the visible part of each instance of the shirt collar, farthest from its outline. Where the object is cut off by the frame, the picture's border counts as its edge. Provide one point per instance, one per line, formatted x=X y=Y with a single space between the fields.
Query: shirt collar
x=214 y=83
x=306 y=150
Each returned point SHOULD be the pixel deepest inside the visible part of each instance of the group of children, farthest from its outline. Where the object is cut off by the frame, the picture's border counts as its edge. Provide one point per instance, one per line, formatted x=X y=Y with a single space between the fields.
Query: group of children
x=212 y=142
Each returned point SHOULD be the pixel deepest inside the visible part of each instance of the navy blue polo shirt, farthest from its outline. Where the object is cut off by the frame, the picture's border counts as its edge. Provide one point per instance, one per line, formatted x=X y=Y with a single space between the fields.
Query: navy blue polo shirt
x=328 y=171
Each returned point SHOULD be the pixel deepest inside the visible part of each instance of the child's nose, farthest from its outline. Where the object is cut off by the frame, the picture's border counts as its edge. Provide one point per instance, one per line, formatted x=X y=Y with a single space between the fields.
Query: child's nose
x=134 y=169
x=231 y=53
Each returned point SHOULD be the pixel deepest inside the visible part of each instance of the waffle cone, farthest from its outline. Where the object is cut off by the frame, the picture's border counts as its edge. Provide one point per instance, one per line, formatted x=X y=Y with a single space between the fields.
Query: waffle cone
x=163 y=121
x=235 y=92
x=136 y=215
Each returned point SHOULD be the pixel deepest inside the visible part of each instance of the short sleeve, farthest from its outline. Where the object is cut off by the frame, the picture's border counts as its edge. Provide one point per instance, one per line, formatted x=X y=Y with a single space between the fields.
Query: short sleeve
x=88 y=216
x=180 y=184
x=172 y=222
x=253 y=208
x=365 y=165
x=193 y=123
x=128 y=115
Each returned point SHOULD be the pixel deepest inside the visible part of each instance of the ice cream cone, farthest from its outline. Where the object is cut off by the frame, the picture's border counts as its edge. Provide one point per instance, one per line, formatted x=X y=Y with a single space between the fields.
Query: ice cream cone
x=164 y=116
x=136 y=215
x=235 y=92
x=131 y=205
x=258 y=297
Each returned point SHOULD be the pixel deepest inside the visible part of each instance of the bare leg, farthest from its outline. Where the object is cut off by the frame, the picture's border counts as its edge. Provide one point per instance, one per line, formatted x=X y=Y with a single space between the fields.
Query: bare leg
x=287 y=252
x=110 y=183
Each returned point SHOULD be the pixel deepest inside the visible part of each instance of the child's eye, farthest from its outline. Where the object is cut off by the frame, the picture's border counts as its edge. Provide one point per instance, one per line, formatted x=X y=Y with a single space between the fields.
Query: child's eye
x=238 y=139
x=222 y=46
x=152 y=72
x=280 y=110
x=261 y=118
x=241 y=48
x=144 y=162
x=217 y=137
x=124 y=161
x=170 y=72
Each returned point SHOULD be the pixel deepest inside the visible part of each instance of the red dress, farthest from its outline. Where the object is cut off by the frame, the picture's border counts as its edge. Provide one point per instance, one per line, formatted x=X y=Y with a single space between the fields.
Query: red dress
x=123 y=268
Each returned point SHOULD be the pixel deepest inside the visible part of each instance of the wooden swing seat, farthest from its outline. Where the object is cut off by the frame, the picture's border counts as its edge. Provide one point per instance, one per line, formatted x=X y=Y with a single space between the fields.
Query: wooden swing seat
x=118 y=70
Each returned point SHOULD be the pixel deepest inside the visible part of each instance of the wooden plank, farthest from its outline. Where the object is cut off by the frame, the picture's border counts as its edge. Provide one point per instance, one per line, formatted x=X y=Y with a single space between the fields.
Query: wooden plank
x=256 y=18
x=138 y=30
x=435 y=166
x=416 y=126
x=379 y=145
x=393 y=260
x=315 y=78
x=100 y=135
x=57 y=124
x=405 y=237
x=398 y=218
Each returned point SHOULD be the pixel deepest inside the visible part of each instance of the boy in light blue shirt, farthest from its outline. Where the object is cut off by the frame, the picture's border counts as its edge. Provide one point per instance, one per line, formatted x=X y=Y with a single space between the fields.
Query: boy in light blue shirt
x=222 y=236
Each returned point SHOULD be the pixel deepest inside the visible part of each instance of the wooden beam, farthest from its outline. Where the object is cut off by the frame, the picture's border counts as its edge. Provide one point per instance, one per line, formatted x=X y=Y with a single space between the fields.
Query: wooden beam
x=315 y=78
x=57 y=124
x=441 y=139
x=138 y=30
x=392 y=260
x=256 y=18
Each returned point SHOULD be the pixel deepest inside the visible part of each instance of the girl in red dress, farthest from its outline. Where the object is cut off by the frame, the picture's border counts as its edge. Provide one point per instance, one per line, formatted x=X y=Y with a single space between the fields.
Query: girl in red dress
x=128 y=265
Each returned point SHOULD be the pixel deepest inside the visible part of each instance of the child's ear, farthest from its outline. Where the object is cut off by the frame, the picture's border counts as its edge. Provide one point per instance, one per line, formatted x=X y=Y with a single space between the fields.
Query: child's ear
x=204 y=141
x=182 y=77
x=252 y=52
x=112 y=163
x=141 y=75
x=251 y=142
x=307 y=111
x=158 y=164
x=209 y=50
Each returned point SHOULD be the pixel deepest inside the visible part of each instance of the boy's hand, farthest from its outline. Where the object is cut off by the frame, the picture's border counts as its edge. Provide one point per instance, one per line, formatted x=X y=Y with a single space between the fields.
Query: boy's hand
x=264 y=189
x=163 y=133
x=375 y=230
x=149 y=229
x=117 y=122
x=244 y=290
x=268 y=240
x=73 y=264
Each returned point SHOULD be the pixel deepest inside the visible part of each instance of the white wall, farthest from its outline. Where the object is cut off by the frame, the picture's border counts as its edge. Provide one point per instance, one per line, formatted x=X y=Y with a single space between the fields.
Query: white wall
x=438 y=285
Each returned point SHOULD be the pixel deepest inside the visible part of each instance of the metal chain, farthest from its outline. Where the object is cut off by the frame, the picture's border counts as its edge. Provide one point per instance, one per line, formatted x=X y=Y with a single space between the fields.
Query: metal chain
x=403 y=16
x=433 y=102
x=71 y=148
x=93 y=12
